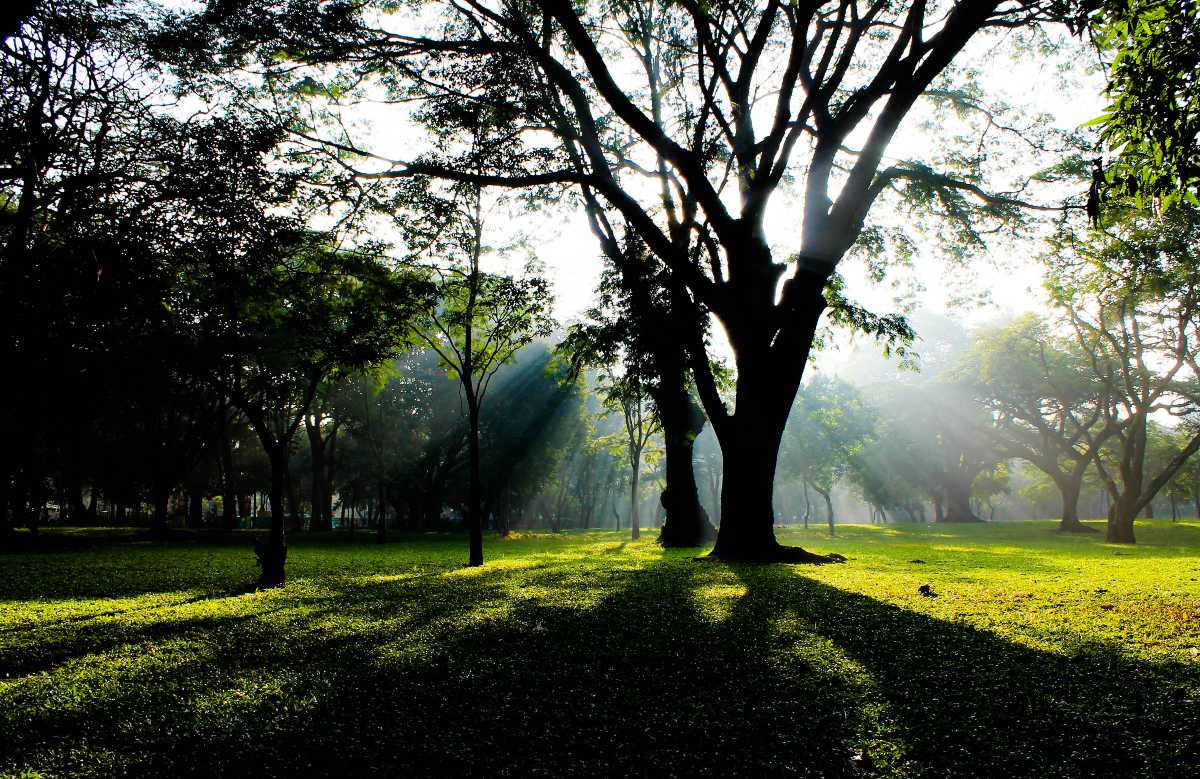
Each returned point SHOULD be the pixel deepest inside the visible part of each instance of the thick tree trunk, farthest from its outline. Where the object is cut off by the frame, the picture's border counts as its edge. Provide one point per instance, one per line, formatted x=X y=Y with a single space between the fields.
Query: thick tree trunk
x=272 y=555
x=1120 y=521
x=750 y=448
x=958 y=502
x=687 y=523
x=1070 y=489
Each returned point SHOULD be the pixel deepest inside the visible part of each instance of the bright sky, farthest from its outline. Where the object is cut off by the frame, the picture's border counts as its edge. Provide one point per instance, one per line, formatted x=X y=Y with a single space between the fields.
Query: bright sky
x=1011 y=282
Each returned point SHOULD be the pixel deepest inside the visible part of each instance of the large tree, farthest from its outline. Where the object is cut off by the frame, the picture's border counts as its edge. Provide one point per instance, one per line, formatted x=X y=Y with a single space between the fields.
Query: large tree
x=1132 y=298
x=684 y=119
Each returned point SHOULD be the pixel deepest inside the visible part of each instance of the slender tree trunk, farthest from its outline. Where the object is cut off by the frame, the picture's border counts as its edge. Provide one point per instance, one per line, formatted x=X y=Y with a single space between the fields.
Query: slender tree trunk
x=828 y=510
x=316 y=448
x=807 y=505
x=380 y=517
x=331 y=459
x=475 y=486
x=635 y=482
x=229 y=491
x=195 y=509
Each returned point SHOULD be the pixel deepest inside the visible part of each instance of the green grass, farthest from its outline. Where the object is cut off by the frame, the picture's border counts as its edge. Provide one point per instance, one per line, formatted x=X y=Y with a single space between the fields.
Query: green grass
x=586 y=654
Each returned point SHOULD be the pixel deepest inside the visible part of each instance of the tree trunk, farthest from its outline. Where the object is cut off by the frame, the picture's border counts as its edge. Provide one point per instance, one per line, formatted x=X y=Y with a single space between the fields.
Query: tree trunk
x=380 y=510
x=475 y=486
x=1070 y=489
x=828 y=510
x=331 y=459
x=316 y=448
x=958 y=502
x=195 y=509
x=229 y=498
x=687 y=523
x=272 y=555
x=750 y=448
x=635 y=482
x=1120 y=524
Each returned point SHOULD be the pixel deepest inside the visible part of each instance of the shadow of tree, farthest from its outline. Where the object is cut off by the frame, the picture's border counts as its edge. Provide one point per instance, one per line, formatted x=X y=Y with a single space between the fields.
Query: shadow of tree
x=676 y=668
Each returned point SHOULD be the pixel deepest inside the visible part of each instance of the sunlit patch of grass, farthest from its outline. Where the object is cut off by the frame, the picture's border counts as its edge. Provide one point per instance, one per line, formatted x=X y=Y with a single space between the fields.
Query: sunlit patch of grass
x=716 y=600
x=586 y=653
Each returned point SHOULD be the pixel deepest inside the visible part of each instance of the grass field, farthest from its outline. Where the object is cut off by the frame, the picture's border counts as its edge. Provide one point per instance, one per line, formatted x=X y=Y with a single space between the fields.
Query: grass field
x=586 y=654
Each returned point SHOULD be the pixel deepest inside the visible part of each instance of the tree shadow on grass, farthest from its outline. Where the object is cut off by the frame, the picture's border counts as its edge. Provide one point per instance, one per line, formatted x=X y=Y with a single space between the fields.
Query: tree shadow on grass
x=672 y=669
x=961 y=701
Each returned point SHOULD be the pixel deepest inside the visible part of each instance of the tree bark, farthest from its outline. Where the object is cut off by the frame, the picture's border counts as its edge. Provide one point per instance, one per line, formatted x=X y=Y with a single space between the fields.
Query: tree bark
x=229 y=497
x=958 y=502
x=380 y=510
x=770 y=359
x=272 y=555
x=1070 y=489
x=687 y=523
x=475 y=487
x=828 y=509
x=316 y=447
x=635 y=530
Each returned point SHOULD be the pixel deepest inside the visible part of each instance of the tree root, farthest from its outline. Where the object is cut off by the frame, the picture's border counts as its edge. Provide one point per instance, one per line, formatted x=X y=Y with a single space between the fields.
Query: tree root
x=793 y=555
x=1078 y=527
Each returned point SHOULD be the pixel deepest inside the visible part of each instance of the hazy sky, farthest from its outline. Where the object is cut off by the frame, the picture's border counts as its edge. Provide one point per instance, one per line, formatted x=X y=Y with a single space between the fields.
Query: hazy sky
x=570 y=255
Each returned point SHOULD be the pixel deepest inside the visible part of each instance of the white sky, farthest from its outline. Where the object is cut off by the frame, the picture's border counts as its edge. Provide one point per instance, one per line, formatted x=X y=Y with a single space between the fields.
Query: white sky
x=570 y=255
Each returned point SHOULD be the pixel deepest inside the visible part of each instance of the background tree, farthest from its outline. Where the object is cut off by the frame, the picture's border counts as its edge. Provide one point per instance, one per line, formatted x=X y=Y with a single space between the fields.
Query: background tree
x=480 y=323
x=1046 y=405
x=1133 y=300
x=829 y=427
x=628 y=396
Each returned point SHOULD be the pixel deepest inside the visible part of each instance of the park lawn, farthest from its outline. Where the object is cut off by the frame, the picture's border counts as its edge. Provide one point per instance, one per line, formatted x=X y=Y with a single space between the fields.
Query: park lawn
x=587 y=654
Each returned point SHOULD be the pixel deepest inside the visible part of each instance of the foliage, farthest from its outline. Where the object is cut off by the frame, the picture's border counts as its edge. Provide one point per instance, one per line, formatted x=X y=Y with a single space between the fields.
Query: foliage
x=1153 y=119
